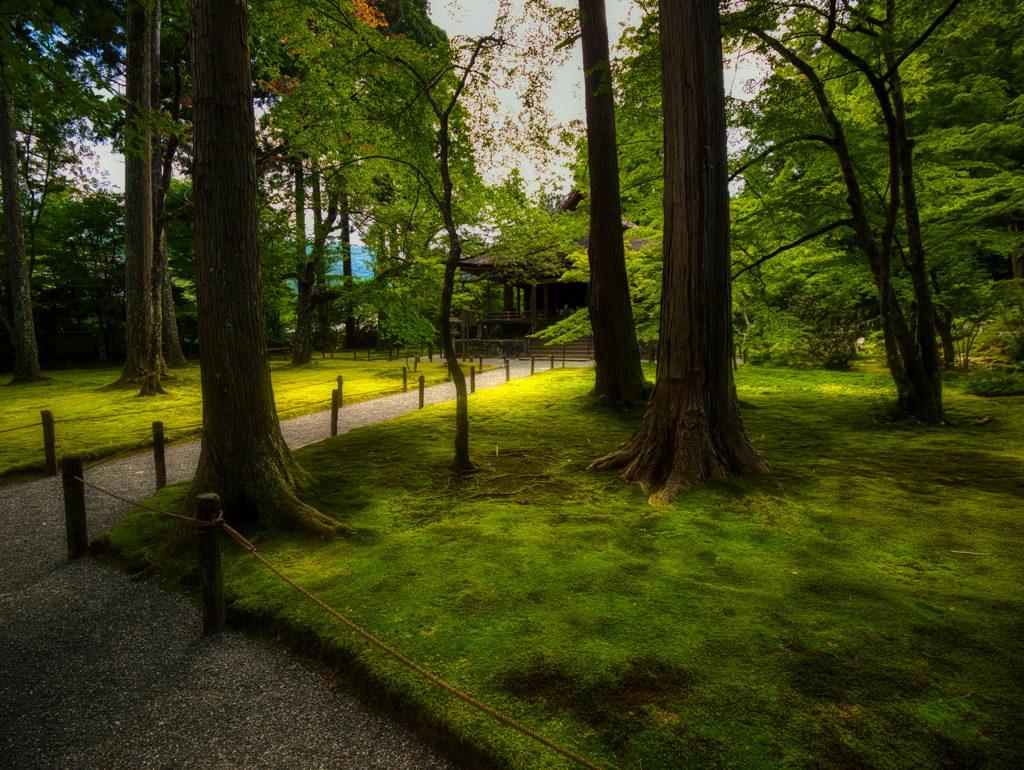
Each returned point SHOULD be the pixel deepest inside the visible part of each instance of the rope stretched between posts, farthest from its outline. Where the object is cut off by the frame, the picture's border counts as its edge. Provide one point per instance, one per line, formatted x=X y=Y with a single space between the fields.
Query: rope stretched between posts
x=21 y=427
x=141 y=441
x=219 y=522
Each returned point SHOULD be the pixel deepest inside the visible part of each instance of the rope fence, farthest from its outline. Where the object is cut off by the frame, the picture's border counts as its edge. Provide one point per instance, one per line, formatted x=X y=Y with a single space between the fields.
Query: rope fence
x=50 y=442
x=207 y=525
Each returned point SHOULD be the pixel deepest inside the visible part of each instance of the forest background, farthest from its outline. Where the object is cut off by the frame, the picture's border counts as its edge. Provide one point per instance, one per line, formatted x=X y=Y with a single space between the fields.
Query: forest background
x=803 y=290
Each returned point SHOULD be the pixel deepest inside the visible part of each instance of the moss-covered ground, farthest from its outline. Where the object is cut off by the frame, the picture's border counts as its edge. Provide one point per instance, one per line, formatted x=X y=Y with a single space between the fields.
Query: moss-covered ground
x=96 y=420
x=860 y=607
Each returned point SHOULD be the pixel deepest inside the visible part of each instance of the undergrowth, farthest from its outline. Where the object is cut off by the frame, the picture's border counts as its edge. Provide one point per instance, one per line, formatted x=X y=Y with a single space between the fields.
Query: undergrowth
x=859 y=607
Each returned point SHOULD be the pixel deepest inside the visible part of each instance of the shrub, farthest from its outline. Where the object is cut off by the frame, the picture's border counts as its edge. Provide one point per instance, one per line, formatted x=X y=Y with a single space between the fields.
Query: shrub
x=1000 y=385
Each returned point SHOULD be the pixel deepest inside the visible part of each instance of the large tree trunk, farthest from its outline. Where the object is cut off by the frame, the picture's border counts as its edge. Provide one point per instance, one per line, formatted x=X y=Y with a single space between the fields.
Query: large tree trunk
x=20 y=324
x=619 y=376
x=173 y=355
x=243 y=457
x=692 y=430
x=155 y=366
x=138 y=190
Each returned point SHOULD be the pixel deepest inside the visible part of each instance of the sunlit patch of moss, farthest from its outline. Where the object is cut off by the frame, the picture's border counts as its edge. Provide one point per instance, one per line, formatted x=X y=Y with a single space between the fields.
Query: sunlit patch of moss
x=859 y=606
x=97 y=421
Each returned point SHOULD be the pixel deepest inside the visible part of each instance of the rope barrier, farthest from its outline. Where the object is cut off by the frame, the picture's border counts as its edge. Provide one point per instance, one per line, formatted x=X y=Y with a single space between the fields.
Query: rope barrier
x=435 y=680
x=22 y=427
x=143 y=440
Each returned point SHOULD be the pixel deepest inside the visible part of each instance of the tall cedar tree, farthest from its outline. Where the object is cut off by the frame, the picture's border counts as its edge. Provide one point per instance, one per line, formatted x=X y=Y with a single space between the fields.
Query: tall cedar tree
x=138 y=214
x=243 y=457
x=692 y=430
x=620 y=377
x=20 y=324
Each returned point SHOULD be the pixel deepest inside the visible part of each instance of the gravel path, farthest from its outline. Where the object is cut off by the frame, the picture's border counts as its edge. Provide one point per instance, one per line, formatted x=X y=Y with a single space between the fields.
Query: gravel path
x=97 y=671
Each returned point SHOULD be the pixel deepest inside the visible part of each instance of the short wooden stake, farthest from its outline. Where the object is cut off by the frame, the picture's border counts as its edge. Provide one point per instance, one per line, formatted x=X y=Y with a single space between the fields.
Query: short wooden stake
x=74 y=506
x=508 y=376
x=405 y=379
x=421 y=391
x=430 y=355
x=533 y=363
x=158 y=454
x=341 y=391
x=211 y=579
x=335 y=401
x=552 y=360
x=49 y=443
x=354 y=354
x=416 y=363
x=472 y=379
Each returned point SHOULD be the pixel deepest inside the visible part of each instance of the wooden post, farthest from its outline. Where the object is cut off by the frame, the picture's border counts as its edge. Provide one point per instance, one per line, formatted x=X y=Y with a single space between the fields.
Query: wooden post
x=552 y=360
x=430 y=354
x=341 y=391
x=335 y=401
x=74 y=506
x=158 y=454
x=472 y=379
x=481 y=363
x=563 y=355
x=353 y=350
x=421 y=391
x=416 y=363
x=49 y=443
x=405 y=379
x=508 y=376
x=211 y=580
x=533 y=364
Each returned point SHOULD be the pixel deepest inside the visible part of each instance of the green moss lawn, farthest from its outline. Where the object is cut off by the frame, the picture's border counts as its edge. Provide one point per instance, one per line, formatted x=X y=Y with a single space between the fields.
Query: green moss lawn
x=817 y=617
x=95 y=420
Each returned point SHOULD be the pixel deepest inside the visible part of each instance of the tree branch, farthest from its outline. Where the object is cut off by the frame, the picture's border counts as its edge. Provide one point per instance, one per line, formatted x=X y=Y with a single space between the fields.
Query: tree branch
x=794 y=244
x=780 y=145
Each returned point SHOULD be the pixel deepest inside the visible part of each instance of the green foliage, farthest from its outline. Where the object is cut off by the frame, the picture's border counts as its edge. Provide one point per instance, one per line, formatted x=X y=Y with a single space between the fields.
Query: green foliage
x=824 y=610
x=994 y=386
x=568 y=329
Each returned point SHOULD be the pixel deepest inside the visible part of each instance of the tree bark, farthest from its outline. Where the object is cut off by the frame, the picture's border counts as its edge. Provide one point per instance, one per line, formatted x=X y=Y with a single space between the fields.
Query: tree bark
x=138 y=225
x=155 y=366
x=619 y=376
x=173 y=354
x=346 y=269
x=929 y=400
x=20 y=324
x=692 y=430
x=243 y=457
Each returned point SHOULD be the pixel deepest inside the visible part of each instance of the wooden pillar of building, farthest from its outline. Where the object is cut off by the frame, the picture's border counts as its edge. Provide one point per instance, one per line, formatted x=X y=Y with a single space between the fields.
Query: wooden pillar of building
x=508 y=297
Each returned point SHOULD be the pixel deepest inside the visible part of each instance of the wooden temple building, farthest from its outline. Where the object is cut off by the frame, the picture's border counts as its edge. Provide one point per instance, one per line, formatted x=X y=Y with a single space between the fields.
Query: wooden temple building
x=530 y=302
